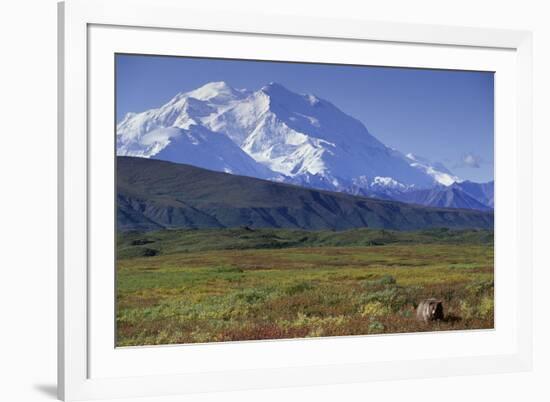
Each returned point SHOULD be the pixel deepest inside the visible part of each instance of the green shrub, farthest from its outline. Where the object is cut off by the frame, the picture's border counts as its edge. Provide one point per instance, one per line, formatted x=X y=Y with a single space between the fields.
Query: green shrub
x=480 y=287
x=384 y=280
x=483 y=308
x=299 y=288
x=394 y=298
x=376 y=327
x=252 y=296
x=223 y=270
x=486 y=307
x=467 y=311
x=150 y=252
x=375 y=309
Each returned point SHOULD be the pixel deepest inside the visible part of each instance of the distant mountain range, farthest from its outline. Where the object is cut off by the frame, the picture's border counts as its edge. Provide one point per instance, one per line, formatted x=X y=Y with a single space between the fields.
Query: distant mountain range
x=282 y=136
x=458 y=195
x=154 y=194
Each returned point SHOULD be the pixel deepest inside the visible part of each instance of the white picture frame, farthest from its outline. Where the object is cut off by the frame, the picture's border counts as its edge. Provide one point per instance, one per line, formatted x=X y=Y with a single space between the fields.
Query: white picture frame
x=90 y=367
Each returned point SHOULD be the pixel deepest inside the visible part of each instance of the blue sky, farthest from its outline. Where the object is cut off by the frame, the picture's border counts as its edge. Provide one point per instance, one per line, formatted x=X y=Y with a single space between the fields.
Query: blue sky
x=443 y=115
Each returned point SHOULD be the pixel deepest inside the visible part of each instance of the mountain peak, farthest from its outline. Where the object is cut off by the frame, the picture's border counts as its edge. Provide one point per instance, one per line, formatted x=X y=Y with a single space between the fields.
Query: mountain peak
x=215 y=91
x=294 y=100
x=215 y=85
x=275 y=84
x=275 y=88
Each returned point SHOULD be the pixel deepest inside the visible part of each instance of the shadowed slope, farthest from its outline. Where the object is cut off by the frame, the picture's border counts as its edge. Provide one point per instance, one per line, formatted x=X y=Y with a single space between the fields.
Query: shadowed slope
x=154 y=194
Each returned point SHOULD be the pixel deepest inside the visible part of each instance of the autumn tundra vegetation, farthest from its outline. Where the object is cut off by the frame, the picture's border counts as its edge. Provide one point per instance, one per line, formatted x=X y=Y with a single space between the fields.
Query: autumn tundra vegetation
x=236 y=284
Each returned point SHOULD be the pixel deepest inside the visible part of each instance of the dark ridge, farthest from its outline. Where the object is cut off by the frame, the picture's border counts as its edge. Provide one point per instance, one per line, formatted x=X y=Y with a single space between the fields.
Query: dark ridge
x=154 y=194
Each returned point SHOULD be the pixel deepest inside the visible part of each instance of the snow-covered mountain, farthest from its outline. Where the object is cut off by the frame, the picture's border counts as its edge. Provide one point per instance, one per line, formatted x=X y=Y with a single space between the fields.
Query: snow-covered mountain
x=437 y=170
x=445 y=197
x=201 y=147
x=275 y=134
x=482 y=192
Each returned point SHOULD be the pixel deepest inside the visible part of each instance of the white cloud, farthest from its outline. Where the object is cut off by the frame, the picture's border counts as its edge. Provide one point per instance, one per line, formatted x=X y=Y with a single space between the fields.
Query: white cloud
x=470 y=161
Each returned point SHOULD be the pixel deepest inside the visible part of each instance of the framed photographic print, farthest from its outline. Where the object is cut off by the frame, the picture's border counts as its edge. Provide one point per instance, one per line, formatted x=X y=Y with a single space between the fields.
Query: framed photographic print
x=264 y=201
